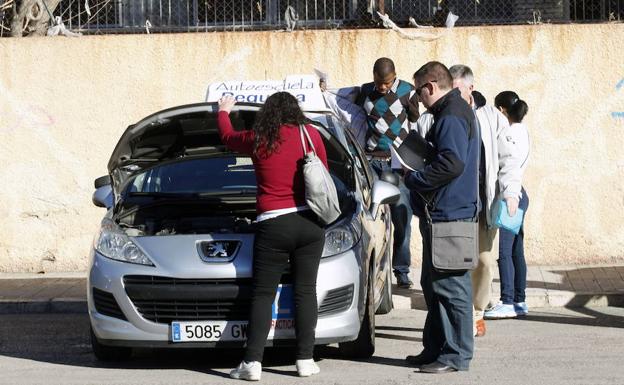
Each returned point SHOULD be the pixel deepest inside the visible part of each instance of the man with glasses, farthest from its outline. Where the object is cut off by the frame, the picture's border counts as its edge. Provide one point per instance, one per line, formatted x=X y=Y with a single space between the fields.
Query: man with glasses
x=391 y=105
x=492 y=169
x=448 y=186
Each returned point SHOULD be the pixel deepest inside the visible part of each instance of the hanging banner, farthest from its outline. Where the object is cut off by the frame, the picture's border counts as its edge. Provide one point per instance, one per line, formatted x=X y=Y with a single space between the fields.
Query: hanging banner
x=303 y=87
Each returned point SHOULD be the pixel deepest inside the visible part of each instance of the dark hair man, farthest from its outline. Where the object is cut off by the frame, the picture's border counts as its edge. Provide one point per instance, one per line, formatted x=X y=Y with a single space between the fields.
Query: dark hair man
x=451 y=178
x=390 y=105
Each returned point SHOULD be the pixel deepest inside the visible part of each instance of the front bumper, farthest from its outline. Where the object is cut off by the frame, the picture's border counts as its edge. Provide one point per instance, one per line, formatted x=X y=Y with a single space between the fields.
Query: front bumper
x=136 y=331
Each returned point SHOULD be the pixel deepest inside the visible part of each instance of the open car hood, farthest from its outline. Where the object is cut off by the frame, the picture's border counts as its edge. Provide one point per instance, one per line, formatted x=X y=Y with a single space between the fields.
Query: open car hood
x=175 y=133
x=165 y=135
x=162 y=136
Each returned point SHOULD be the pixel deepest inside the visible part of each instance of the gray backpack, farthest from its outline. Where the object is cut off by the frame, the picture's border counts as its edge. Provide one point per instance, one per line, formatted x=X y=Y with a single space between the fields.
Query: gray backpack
x=320 y=190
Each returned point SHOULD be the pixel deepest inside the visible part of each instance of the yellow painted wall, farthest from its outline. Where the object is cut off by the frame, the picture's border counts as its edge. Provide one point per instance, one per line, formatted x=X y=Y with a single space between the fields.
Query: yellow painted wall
x=64 y=103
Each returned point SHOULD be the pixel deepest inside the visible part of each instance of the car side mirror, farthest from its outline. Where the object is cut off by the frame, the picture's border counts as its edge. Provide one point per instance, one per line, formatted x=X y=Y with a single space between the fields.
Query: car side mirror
x=102 y=181
x=383 y=193
x=103 y=195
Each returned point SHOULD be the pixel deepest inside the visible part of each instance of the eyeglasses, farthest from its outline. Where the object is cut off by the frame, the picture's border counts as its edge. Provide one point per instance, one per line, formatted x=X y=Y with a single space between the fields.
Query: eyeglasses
x=419 y=89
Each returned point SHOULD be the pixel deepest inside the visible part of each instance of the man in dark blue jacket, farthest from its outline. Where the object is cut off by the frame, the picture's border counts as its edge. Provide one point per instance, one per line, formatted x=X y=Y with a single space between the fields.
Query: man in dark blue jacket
x=449 y=183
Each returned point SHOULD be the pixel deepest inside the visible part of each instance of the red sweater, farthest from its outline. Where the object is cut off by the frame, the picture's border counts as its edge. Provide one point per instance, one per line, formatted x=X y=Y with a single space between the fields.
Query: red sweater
x=278 y=176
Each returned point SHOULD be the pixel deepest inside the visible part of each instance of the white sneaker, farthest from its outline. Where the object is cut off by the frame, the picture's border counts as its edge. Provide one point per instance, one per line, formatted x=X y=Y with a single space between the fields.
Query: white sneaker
x=306 y=368
x=500 y=311
x=247 y=371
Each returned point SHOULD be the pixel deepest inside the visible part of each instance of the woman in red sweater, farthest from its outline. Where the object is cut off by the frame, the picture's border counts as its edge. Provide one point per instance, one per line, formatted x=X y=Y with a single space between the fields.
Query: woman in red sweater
x=287 y=231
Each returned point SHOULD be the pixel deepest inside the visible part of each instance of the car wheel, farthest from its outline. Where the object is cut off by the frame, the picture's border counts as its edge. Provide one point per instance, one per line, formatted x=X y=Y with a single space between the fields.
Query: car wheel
x=109 y=353
x=386 y=305
x=364 y=346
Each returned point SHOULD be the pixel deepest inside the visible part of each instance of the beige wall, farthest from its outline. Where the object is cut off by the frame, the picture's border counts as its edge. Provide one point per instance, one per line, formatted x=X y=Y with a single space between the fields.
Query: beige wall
x=64 y=103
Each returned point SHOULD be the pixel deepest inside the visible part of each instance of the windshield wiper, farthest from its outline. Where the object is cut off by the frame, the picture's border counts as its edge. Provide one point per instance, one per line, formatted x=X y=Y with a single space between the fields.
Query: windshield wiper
x=225 y=192
x=228 y=192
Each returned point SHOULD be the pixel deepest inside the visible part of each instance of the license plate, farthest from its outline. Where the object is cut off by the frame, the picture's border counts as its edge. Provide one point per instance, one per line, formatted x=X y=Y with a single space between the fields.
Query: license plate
x=208 y=331
x=282 y=324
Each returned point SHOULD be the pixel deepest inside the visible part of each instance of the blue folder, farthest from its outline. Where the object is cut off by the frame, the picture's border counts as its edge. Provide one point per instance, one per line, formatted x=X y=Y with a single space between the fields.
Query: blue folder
x=504 y=221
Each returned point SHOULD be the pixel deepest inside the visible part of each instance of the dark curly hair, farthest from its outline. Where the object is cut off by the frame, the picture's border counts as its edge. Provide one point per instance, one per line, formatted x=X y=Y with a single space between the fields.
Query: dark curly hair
x=279 y=109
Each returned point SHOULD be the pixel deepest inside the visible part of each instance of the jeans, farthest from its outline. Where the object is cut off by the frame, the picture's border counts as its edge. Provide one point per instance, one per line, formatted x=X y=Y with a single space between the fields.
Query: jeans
x=298 y=239
x=511 y=263
x=401 y=213
x=448 y=334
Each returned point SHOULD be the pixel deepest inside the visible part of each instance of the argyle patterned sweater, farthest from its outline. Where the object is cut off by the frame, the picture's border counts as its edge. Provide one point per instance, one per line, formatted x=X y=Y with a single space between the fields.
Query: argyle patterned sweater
x=387 y=113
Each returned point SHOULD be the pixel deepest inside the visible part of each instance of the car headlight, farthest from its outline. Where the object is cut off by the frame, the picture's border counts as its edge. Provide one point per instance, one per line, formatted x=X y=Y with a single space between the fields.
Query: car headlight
x=342 y=237
x=113 y=243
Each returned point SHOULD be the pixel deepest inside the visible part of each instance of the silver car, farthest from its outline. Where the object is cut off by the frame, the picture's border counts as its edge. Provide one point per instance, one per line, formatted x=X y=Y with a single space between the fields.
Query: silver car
x=171 y=265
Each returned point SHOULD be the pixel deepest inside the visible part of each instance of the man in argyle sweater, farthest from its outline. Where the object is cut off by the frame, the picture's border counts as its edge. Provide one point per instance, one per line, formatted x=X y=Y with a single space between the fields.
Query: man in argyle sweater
x=391 y=105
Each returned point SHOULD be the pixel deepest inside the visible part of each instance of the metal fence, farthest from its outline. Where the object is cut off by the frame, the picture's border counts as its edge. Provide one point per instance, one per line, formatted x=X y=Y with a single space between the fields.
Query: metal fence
x=142 y=16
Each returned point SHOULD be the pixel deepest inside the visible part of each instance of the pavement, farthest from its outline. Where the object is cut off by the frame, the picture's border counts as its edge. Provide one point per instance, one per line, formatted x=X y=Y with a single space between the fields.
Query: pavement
x=556 y=346
x=547 y=287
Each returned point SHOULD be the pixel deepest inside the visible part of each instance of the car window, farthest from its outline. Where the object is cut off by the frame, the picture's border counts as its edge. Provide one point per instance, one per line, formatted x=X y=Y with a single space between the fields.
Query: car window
x=218 y=169
x=362 y=167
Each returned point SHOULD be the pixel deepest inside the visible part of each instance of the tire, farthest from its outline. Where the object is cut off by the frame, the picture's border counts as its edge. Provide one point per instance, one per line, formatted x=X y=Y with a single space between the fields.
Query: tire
x=386 y=305
x=363 y=346
x=109 y=353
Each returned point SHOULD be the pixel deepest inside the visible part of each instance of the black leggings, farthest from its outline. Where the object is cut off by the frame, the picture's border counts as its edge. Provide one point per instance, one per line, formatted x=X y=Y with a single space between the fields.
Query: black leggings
x=294 y=238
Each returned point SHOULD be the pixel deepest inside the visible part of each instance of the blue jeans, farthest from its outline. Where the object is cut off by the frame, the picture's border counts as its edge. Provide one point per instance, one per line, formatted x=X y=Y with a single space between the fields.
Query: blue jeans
x=511 y=263
x=401 y=213
x=448 y=334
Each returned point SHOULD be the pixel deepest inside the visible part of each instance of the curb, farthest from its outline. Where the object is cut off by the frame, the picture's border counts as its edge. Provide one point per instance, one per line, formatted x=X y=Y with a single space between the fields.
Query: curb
x=400 y=301
x=51 y=306
x=406 y=299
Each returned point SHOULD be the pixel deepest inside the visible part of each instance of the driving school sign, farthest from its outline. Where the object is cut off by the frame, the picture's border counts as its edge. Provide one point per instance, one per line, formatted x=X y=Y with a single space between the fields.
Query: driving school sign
x=303 y=87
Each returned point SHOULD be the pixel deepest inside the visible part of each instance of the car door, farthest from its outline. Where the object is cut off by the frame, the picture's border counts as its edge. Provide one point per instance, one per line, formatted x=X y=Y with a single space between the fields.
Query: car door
x=379 y=230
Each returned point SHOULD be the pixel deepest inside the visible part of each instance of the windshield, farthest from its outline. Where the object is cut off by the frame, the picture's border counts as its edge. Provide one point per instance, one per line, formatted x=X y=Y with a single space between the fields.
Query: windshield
x=222 y=174
x=179 y=154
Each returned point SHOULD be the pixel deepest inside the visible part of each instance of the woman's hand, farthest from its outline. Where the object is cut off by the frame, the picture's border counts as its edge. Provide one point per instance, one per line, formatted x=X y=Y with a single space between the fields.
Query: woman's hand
x=226 y=103
x=512 y=206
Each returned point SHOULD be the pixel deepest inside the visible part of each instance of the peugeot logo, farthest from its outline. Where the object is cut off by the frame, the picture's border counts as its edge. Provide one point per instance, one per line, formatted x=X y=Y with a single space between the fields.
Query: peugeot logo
x=218 y=251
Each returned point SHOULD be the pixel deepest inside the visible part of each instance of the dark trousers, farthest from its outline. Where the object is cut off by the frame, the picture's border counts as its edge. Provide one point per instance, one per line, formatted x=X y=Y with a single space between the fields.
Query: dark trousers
x=447 y=335
x=401 y=215
x=511 y=263
x=298 y=239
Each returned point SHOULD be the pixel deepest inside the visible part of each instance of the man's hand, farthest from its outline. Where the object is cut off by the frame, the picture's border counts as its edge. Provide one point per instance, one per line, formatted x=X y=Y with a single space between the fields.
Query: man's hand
x=226 y=103
x=512 y=206
x=323 y=85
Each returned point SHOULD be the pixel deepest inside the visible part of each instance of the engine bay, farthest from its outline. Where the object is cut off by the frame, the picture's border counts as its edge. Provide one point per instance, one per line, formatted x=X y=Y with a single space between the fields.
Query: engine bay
x=171 y=219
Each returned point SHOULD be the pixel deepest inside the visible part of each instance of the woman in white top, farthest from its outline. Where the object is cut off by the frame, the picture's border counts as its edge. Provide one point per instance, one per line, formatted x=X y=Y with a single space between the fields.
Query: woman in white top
x=511 y=262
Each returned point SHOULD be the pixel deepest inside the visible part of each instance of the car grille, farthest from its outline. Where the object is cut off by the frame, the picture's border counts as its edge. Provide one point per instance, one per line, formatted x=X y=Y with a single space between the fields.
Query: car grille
x=106 y=304
x=163 y=299
x=336 y=301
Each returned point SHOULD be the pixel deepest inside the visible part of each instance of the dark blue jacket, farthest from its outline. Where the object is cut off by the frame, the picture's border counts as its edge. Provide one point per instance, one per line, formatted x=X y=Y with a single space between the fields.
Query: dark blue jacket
x=450 y=180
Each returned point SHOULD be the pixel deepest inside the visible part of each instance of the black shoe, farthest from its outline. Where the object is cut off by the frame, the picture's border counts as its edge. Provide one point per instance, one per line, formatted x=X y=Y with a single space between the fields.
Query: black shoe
x=437 y=368
x=403 y=280
x=419 y=360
